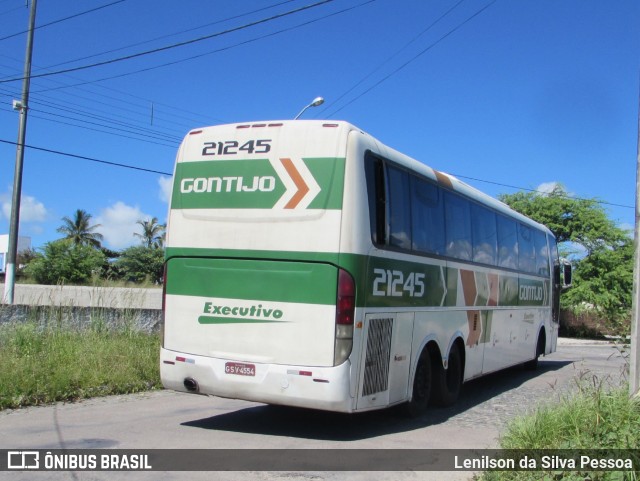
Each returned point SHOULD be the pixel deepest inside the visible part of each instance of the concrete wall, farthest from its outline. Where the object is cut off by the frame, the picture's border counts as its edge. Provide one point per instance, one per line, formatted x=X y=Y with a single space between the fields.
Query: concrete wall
x=87 y=296
x=80 y=306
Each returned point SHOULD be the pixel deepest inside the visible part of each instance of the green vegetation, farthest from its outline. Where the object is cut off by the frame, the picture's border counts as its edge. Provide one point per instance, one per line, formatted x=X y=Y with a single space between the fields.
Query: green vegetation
x=601 y=253
x=153 y=233
x=44 y=364
x=141 y=264
x=80 y=231
x=79 y=258
x=65 y=262
x=591 y=418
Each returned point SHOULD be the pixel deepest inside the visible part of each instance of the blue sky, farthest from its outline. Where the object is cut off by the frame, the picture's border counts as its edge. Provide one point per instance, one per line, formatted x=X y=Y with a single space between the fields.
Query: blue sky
x=513 y=92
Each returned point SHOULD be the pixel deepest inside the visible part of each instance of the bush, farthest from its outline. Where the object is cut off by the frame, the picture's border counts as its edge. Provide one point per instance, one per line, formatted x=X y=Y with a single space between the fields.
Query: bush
x=592 y=418
x=140 y=264
x=65 y=262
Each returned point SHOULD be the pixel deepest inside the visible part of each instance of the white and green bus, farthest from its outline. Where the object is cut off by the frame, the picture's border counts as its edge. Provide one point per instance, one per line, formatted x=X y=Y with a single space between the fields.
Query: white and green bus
x=307 y=264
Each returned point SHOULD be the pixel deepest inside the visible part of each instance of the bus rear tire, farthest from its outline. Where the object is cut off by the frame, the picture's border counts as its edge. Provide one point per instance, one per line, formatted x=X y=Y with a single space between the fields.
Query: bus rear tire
x=533 y=364
x=447 y=383
x=422 y=382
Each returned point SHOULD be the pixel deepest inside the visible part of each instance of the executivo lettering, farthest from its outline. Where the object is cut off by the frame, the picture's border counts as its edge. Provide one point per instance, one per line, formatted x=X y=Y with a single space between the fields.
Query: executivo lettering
x=221 y=314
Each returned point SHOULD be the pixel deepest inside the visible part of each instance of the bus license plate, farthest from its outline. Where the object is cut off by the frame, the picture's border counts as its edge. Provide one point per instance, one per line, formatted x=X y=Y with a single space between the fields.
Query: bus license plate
x=240 y=369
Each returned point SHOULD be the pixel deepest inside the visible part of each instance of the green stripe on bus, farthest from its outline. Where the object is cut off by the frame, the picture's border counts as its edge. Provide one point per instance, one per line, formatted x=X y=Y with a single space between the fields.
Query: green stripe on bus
x=381 y=282
x=232 y=320
x=329 y=174
x=265 y=280
x=251 y=184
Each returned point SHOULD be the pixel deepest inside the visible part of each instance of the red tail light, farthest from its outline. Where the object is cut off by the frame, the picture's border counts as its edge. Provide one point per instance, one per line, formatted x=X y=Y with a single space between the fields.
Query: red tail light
x=345 y=312
x=345 y=299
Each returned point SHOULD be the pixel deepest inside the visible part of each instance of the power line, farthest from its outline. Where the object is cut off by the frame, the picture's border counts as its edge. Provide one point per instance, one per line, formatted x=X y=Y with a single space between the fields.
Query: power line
x=118 y=123
x=63 y=19
x=362 y=80
x=173 y=116
x=140 y=137
x=211 y=52
x=415 y=57
x=163 y=136
x=170 y=34
x=127 y=166
x=90 y=159
x=541 y=193
x=175 y=45
x=93 y=94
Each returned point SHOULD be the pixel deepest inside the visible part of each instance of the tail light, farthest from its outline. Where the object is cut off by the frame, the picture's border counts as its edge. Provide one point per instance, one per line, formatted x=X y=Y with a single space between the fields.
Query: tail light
x=345 y=311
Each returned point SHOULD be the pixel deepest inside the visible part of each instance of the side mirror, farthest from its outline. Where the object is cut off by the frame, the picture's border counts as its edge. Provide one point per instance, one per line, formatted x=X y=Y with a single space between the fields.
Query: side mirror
x=566 y=273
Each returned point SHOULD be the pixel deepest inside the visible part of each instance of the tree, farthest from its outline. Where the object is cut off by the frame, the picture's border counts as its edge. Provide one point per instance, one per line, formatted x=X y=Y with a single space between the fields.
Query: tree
x=605 y=279
x=579 y=221
x=80 y=231
x=602 y=251
x=63 y=261
x=152 y=233
x=141 y=263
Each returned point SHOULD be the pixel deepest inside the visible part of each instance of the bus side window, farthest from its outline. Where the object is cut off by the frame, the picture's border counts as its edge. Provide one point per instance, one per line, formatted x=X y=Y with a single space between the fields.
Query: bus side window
x=483 y=229
x=555 y=261
x=374 y=173
x=399 y=208
x=427 y=217
x=457 y=226
x=542 y=253
x=507 y=243
x=526 y=249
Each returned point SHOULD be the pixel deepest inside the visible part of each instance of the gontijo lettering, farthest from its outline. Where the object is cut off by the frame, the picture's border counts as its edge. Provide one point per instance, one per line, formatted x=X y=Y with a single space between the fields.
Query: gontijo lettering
x=227 y=184
x=531 y=293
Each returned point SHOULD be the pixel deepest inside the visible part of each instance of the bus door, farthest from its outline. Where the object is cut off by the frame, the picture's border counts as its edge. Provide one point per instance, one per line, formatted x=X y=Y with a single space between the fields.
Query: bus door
x=386 y=359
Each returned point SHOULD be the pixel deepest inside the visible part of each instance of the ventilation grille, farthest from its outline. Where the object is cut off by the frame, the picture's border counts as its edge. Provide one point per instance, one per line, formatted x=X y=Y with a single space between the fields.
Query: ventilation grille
x=376 y=367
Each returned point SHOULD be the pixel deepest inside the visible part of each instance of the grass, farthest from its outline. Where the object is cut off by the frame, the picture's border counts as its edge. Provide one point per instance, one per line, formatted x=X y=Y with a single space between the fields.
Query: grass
x=49 y=363
x=595 y=416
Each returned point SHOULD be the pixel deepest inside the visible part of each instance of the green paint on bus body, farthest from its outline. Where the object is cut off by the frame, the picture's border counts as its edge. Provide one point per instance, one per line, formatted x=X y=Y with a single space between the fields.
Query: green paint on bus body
x=266 y=280
x=252 y=184
x=232 y=320
x=311 y=278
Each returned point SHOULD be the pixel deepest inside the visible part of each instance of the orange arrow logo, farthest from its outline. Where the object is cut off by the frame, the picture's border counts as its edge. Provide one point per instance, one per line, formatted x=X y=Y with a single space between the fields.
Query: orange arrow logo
x=301 y=185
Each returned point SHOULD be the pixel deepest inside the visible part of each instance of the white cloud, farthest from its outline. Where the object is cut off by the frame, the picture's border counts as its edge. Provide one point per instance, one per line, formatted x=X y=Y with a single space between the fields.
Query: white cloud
x=31 y=209
x=118 y=223
x=547 y=187
x=166 y=183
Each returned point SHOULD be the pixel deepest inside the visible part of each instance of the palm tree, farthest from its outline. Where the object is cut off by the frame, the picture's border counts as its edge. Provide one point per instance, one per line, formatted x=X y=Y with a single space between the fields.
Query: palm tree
x=152 y=233
x=80 y=231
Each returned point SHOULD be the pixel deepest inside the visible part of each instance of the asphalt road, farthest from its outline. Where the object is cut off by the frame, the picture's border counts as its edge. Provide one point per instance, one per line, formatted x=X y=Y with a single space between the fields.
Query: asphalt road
x=162 y=419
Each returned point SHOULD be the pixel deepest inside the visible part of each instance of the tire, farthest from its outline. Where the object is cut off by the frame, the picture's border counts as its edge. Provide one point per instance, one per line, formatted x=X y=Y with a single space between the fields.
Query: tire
x=422 y=381
x=533 y=364
x=447 y=383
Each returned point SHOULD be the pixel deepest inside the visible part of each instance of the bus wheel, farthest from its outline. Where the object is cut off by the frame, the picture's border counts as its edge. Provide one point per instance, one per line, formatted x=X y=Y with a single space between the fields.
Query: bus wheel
x=533 y=364
x=421 y=387
x=447 y=383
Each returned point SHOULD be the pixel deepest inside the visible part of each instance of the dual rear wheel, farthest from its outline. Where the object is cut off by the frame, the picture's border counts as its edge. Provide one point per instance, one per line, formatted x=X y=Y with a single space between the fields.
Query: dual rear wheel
x=433 y=384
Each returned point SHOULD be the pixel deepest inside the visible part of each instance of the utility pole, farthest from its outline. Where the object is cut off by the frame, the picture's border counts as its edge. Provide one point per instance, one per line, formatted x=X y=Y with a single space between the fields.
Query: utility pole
x=22 y=107
x=634 y=364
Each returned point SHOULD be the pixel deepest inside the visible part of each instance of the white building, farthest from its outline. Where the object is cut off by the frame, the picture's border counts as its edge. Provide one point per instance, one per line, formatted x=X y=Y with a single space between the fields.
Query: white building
x=24 y=243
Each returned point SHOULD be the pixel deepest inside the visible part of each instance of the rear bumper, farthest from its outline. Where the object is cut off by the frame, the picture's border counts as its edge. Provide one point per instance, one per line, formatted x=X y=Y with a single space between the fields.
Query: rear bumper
x=326 y=388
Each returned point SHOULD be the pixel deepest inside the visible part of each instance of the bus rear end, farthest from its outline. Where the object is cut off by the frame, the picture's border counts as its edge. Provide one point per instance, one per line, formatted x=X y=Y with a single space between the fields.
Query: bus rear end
x=256 y=305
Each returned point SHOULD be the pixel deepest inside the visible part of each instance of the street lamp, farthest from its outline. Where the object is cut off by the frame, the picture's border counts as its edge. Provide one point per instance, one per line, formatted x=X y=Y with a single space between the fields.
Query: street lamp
x=317 y=101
